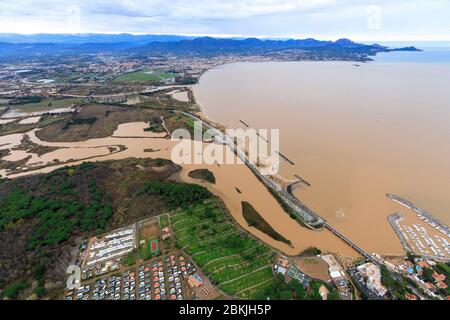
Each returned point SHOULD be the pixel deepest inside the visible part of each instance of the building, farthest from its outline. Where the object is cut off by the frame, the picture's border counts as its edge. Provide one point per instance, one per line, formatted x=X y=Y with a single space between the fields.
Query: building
x=323 y=291
x=438 y=277
x=336 y=272
x=283 y=261
x=195 y=281
x=280 y=269
x=410 y=296
x=166 y=234
x=423 y=264
x=372 y=273
x=441 y=285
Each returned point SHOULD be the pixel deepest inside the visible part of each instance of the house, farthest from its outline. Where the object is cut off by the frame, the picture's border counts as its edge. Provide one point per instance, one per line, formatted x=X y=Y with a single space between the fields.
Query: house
x=281 y=270
x=441 y=285
x=336 y=273
x=166 y=234
x=410 y=296
x=323 y=291
x=429 y=286
x=438 y=277
x=195 y=281
x=283 y=261
x=423 y=264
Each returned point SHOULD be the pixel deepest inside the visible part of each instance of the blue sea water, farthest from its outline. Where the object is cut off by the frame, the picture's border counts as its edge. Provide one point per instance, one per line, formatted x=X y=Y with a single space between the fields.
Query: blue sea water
x=428 y=55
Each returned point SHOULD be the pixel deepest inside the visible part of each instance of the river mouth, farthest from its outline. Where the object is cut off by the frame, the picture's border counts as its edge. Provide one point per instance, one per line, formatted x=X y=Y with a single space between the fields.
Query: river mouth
x=134 y=142
x=354 y=133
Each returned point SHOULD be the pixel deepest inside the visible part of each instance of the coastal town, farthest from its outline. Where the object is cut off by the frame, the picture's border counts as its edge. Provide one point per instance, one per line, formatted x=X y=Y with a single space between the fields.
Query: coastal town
x=123 y=274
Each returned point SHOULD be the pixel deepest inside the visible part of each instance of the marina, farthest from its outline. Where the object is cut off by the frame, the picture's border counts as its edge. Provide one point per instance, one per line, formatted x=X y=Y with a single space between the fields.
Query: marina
x=422 y=214
x=420 y=239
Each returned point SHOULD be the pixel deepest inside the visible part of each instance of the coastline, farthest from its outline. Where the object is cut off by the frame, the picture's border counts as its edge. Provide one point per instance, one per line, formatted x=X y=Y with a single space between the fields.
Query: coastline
x=328 y=229
x=394 y=244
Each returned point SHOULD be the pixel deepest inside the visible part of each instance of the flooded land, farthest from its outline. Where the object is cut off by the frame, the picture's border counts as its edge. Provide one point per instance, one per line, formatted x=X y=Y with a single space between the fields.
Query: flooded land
x=354 y=132
x=129 y=140
x=346 y=129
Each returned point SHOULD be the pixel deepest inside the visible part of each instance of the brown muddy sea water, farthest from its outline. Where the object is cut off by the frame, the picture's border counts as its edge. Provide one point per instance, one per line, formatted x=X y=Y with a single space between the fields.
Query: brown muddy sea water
x=354 y=132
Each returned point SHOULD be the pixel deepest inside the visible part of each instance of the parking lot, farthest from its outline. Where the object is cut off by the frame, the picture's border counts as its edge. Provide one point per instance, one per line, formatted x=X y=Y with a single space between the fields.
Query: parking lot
x=110 y=246
x=162 y=278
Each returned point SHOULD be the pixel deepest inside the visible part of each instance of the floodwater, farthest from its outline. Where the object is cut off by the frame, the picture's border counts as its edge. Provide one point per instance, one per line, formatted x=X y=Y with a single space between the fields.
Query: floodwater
x=136 y=128
x=181 y=96
x=354 y=132
x=29 y=120
x=228 y=178
x=3 y=121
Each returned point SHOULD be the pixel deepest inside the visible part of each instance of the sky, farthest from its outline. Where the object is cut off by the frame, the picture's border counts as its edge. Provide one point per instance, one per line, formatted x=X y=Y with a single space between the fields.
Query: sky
x=362 y=20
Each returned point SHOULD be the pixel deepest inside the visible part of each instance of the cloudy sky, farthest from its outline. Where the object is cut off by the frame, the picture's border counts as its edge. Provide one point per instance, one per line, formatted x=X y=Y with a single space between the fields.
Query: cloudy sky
x=326 y=19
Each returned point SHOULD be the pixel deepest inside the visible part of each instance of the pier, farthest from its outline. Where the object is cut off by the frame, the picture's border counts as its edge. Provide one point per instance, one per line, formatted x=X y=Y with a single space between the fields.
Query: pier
x=244 y=124
x=257 y=133
x=291 y=185
x=285 y=158
x=422 y=214
x=300 y=179
x=394 y=219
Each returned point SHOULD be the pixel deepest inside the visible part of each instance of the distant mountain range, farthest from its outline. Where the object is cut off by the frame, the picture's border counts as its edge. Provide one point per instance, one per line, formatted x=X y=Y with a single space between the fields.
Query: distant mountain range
x=39 y=45
x=87 y=38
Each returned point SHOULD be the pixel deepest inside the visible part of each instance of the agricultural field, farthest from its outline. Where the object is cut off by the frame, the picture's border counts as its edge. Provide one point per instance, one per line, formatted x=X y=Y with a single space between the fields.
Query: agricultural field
x=235 y=262
x=145 y=76
x=46 y=104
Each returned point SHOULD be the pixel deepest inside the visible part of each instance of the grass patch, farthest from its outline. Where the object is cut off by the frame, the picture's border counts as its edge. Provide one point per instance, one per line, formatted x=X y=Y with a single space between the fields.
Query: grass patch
x=130 y=259
x=144 y=251
x=144 y=76
x=163 y=221
x=46 y=104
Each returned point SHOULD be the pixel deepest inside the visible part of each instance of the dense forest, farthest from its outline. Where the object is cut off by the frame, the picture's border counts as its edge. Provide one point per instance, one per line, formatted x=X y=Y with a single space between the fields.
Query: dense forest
x=44 y=218
x=176 y=194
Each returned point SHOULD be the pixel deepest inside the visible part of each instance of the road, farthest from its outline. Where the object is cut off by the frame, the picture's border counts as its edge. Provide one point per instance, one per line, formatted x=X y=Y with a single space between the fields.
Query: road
x=350 y=242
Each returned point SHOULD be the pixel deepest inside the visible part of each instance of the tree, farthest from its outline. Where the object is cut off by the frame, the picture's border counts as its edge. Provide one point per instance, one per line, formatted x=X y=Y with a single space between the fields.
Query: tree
x=286 y=295
x=333 y=295
x=13 y=290
x=300 y=291
x=39 y=291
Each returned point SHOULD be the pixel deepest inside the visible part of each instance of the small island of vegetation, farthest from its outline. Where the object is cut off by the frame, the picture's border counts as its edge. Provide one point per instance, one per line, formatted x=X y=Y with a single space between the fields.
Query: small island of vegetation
x=254 y=219
x=203 y=174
